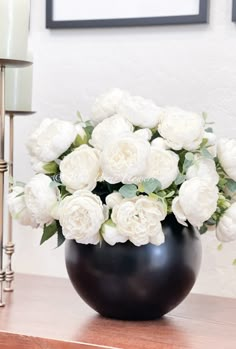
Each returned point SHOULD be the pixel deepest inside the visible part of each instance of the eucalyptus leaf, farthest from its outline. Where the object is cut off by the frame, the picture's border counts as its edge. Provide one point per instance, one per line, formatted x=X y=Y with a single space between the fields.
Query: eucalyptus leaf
x=231 y=185
x=169 y=195
x=48 y=232
x=180 y=179
x=150 y=185
x=209 y=129
x=128 y=190
x=88 y=130
x=206 y=154
x=189 y=156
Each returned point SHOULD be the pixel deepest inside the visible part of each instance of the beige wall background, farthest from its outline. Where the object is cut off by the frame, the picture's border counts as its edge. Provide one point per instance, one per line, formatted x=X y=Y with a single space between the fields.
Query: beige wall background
x=193 y=67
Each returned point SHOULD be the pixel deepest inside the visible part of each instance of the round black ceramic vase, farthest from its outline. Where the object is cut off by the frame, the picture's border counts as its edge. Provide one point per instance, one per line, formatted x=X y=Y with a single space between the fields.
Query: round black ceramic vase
x=136 y=283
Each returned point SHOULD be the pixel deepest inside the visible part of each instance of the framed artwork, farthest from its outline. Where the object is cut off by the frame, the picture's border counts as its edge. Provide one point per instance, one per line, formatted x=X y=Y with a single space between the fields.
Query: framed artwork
x=124 y=13
x=234 y=11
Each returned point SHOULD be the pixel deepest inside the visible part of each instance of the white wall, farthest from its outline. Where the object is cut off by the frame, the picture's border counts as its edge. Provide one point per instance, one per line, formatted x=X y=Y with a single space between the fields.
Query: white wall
x=193 y=67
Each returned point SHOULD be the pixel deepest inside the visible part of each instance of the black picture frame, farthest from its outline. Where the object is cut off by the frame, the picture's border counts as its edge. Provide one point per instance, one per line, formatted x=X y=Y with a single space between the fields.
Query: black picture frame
x=234 y=11
x=201 y=17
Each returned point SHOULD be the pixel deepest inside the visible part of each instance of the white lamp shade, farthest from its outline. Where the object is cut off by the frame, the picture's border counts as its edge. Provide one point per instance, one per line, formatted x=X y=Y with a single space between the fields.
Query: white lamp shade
x=18 y=92
x=14 y=28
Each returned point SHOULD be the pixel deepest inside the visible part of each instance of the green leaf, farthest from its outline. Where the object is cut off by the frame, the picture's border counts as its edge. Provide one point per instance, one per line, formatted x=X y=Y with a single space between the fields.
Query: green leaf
x=209 y=129
x=220 y=247
x=48 y=232
x=234 y=262
x=128 y=190
x=204 y=115
x=79 y=116
x=203 y=229
x=51 y=168
x=150 y=185
x=180 y=179
x=204 y=143
x=231 y=185
x=79 y=140
x=170 y=194
x=60 y=236
x=64 y=192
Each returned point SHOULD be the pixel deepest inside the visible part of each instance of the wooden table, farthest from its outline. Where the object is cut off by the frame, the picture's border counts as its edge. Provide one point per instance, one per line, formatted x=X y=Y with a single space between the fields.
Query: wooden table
x=46 y=313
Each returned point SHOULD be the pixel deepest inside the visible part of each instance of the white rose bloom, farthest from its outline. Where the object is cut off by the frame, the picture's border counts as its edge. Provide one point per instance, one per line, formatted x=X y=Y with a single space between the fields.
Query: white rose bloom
x=162 y=165
x=81 y=216
x=80 y=169
x=144 y=133
x=197 y=201
x=125 y=160
x=226 y=228
x=226 y=151
x=139 y=219
x=51 y=139
x=203 y=168
x=139 y=111
x=108 y=130
x=111 y=235
x=181 y=129
x=106 y=105
x=18 y=209
x=113 y=199
x=40 y=198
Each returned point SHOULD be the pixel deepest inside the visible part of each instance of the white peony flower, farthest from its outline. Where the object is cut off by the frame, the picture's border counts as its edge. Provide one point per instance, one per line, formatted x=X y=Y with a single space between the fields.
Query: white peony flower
x=108 y=130
x=37 y=165
x=111 y=235
x=51 y=139
x=80 y=169
x=125 y=160
x=197 y=201
x=226 y=151
x=144 y=133
x=18 y=209
x=160 y=143
x=226 y=228
x=81 y=216
x=139 y=111
x=139 y=220
x=113 y=199
x=40 y=198
x=162 y=165
x=106 y=105
x=203 y=168
x=181 y=129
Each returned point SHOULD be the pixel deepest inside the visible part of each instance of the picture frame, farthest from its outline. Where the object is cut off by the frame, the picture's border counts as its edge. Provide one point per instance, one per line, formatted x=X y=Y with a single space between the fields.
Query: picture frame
x=52 y=23
x=234 y=11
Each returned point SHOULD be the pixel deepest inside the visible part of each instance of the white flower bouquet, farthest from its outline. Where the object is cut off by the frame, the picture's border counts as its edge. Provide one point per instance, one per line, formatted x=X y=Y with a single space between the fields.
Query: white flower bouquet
x=117 y=177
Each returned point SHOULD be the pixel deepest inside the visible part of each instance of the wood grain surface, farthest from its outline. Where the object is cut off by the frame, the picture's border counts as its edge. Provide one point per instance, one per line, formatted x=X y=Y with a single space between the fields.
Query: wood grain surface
x=46 y=313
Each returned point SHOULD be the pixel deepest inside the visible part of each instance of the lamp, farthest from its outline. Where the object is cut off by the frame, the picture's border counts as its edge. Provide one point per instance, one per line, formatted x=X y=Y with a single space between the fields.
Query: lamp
x=14 y=27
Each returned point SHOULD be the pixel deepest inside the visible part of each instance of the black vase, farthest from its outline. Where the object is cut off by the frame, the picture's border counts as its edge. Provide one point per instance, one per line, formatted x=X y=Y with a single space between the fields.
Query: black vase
x=136 y=283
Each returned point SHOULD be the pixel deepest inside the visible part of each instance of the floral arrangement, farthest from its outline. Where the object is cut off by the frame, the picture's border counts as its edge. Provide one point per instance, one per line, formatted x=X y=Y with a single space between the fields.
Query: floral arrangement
x=117 y=177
